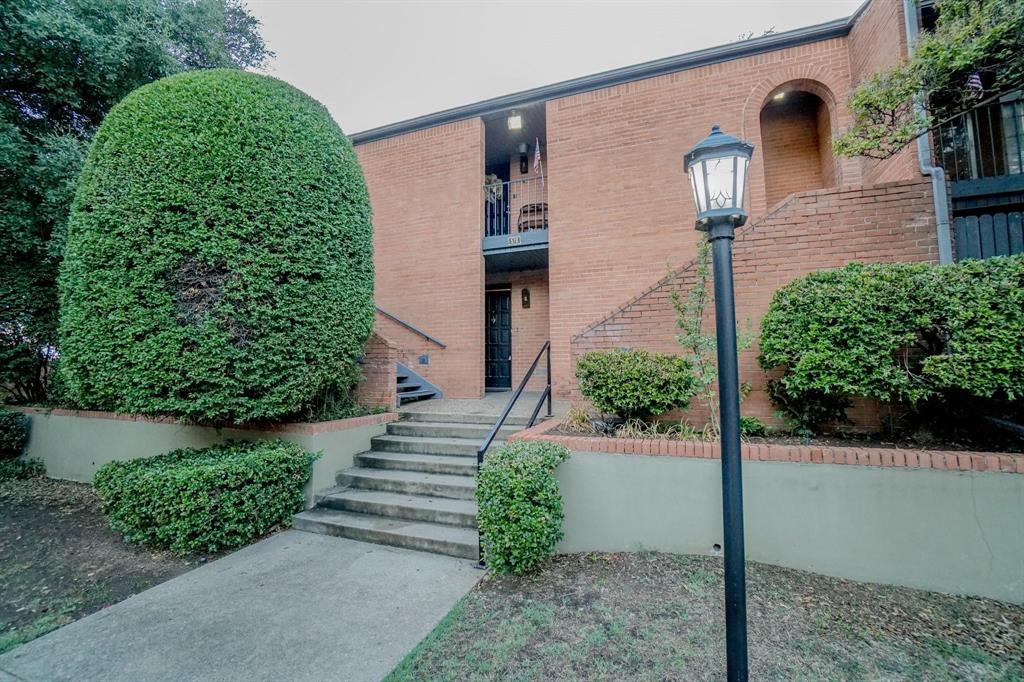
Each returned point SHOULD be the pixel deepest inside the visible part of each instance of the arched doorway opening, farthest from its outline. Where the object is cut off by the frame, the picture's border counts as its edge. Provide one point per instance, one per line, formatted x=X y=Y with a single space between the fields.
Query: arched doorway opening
x=796 y=142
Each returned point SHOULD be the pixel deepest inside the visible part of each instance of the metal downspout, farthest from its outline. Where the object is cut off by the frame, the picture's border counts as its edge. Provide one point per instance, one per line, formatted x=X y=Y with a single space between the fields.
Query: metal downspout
x=924 y=154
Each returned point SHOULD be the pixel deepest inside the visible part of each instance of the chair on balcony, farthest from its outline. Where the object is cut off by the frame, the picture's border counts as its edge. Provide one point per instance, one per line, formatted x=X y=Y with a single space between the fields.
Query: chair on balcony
x=533 y=217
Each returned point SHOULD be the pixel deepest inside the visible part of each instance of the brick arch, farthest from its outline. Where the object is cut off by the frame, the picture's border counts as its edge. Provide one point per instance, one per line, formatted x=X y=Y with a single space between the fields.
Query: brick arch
x=809 y=78
x=812 y=78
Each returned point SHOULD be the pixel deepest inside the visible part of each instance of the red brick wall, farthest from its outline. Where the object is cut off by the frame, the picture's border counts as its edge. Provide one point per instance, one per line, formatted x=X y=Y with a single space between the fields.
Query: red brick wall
x=377 y=388
x=621 y=214
x=792 y=146
x=878 y=41
x=813 y=230
x=621 y=210
x=425 y=188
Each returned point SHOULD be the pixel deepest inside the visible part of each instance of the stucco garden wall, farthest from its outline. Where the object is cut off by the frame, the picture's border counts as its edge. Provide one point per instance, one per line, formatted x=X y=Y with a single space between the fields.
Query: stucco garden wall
x=950 y=531
x=73 y=444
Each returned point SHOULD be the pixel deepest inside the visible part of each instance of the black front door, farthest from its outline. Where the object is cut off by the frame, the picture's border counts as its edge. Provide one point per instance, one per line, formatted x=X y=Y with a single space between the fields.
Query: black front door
x=498 y=347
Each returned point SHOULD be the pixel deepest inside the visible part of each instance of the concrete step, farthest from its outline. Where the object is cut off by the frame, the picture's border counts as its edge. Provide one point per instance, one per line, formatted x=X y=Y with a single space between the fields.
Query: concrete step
x=430 y=537
x=428 y=446
x=453 y=418
x=397 y=505
x=412 y=396
x=420 y=429
x=410 y=482
x=406 y=461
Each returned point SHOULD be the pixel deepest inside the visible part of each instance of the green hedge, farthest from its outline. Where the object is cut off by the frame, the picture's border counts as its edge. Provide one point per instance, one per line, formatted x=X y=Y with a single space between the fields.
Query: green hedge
x=205 y=500
x=635 y=384
x=219 y=262
x=898 y=333
x=19 y=469
x=519 y=505
x=13 y=433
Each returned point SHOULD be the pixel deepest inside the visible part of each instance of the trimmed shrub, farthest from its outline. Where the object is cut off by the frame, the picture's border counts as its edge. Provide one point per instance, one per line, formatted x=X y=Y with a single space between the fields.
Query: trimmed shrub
x=635 y=384
x=19 y=469
x=898 y=333
x=752 y=427
x=13 y=434
x=519 y=505
x=205 y=500
x=219 y=261
x=982 y=318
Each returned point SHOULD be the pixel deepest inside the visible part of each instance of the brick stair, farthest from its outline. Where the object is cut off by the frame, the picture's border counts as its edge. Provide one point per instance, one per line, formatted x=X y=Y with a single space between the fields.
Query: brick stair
x=415 y=489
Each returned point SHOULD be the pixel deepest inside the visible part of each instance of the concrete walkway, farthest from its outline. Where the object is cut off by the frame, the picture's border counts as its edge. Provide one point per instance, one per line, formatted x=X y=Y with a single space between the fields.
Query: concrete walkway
x=296 y=606
x=490 y=405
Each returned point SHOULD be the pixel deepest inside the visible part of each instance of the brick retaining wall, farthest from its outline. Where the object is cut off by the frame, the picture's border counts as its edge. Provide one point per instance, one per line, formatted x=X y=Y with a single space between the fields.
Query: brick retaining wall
x=814 y=454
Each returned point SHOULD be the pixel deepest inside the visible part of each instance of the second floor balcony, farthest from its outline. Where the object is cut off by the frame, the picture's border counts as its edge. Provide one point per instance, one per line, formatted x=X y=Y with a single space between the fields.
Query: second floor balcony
x=982 y=152
x=515 y=220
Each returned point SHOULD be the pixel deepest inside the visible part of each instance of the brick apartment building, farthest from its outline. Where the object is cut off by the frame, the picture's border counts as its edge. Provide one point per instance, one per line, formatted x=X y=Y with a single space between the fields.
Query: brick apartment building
x=482 y=253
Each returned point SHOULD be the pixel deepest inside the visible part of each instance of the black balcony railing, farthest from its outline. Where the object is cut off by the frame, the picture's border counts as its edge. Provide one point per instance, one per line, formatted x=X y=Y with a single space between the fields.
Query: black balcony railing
x=515 y=206
x=986 y=142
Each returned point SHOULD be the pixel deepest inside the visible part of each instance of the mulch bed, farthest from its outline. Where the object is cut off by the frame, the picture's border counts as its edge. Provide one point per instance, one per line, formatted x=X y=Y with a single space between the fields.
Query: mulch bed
x=1007 y=445
x=59 y=561
x=660 y=617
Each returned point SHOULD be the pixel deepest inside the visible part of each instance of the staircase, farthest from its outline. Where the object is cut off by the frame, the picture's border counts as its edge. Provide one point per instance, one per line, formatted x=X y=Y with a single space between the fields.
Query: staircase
x=415 y=488
x=411 y=386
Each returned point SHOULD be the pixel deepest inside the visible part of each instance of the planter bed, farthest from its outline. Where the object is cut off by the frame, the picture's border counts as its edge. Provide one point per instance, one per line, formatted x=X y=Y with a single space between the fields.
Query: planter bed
x=73 y=444
x=762 y=449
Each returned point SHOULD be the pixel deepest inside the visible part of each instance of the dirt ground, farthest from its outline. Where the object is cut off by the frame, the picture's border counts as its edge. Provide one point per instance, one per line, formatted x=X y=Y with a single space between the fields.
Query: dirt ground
x=59 y=561
x=660 y=617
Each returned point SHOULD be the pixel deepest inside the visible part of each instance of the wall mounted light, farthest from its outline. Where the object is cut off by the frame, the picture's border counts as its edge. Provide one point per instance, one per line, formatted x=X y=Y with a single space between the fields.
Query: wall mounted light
x=526 y=298
x=524 y=158
x=515 y=121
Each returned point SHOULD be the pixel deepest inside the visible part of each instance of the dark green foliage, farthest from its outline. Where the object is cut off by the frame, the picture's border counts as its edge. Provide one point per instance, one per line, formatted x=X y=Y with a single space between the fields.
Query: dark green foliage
x=897 y=333
x=520 y=506
x=205 y=500
x=13 y=433
x=971 y=37
x=20 y=469
x=982 y=317
x=751 y=427
x=63 y=65
x=635 y=384
x=219 y=259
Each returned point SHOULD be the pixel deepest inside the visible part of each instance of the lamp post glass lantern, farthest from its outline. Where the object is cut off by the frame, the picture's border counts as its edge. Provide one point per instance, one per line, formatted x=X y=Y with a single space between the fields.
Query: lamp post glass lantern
x=717 y=167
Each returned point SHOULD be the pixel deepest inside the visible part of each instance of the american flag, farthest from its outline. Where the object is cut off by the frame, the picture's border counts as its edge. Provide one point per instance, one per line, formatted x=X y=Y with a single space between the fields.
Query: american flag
x=536 y=155
x=974 y=84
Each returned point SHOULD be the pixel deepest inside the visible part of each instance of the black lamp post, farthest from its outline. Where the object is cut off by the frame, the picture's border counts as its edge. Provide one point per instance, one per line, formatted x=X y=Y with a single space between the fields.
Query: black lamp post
x=718 y=172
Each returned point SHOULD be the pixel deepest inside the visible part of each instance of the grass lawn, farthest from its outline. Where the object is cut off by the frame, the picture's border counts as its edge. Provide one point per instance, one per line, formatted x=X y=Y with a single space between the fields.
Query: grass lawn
x=660 y=617
x=59 y=561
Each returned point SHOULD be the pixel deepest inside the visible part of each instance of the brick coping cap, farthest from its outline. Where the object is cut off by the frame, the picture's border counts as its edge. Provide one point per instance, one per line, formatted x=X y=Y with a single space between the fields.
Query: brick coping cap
x=815 y=454
x=307 y=428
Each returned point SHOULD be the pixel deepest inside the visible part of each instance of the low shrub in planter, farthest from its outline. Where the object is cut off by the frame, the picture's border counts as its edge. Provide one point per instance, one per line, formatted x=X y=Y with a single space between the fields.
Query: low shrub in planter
x=635 y=384
x=13 y=434
x=752 y=427
x=519 y=505
x=19 y=469
x=205 y=500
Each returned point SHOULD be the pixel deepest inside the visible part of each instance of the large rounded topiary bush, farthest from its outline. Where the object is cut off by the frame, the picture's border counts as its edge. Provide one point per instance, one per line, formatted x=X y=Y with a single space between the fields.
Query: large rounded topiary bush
x=219 y=257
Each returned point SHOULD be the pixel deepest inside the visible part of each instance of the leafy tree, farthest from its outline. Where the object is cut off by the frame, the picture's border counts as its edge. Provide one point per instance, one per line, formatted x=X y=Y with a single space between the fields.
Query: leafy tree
x=975 y=53
x=63 y=65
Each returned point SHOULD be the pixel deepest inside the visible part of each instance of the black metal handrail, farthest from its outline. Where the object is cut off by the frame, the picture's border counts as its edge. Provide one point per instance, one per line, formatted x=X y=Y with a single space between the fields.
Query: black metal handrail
x=410 y=327
x=545 y=395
